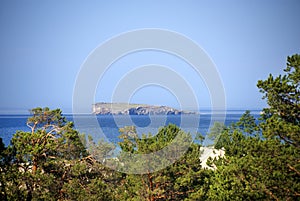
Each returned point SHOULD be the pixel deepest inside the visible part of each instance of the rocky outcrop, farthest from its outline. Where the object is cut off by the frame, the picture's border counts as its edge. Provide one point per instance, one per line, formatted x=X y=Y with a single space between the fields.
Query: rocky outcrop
x=134 y=109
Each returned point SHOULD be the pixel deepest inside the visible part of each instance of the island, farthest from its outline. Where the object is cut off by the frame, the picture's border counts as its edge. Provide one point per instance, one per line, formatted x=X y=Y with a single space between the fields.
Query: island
x=135 y=109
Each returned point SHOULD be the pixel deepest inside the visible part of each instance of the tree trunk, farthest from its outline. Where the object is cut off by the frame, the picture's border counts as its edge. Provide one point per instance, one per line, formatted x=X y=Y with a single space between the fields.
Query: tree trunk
x=34 y=166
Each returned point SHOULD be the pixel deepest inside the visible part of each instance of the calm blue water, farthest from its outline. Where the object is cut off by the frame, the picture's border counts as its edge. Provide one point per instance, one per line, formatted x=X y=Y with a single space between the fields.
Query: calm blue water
x=109 y=125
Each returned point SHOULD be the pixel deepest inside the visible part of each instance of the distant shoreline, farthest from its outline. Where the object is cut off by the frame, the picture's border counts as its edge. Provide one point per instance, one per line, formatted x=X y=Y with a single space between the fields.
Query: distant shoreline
x=135 y=109
x=200 y=112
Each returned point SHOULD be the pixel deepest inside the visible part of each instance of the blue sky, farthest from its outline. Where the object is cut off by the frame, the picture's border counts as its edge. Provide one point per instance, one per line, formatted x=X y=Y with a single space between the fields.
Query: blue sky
x=44 y=44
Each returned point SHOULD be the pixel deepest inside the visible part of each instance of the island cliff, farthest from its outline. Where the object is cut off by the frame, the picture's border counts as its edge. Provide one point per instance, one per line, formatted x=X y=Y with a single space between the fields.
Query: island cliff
x=135 y=109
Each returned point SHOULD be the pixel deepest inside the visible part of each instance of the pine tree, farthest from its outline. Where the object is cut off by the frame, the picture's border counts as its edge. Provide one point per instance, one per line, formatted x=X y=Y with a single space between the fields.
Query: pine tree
x=181 y=180
x=51 y=163
x=262 y=160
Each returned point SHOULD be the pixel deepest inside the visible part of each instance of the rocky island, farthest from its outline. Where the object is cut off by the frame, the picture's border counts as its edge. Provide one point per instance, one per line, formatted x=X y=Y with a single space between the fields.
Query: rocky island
x=135 y=109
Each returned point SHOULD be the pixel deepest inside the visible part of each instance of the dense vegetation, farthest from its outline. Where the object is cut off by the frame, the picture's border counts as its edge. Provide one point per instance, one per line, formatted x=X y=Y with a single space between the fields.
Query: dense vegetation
x=262 y=160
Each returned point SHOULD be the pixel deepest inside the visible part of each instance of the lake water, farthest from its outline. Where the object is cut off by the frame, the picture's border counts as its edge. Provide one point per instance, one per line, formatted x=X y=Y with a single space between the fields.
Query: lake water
x=109 y=125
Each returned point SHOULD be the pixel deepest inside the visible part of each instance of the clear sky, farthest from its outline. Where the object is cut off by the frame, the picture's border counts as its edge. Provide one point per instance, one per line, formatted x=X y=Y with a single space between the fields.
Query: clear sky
x=44 y=43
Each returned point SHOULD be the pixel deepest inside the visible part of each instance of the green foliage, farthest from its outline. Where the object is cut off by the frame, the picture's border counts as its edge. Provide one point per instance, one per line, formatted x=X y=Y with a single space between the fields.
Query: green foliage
x=129 y=136
x=179 y=181
x=247 y=124
x=101 y=151
x=283 y=98
x=45 y=163
x=256 y=169
x=216 y=131
x=262 y=160
x=87 y=181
